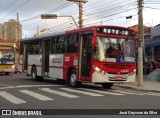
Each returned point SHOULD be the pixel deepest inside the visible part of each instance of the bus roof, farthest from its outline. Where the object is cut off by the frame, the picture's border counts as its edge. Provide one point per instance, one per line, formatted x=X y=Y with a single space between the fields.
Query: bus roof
x=44 y=36
x=93 y=28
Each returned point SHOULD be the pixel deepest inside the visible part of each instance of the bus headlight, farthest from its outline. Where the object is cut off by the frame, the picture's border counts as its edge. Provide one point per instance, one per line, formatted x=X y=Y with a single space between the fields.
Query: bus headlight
x=134 y=71
x=98 y=70
x=13 y=66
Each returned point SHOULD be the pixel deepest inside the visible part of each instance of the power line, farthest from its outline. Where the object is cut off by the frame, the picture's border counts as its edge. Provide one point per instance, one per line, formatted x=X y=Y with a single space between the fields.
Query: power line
x=103 y=13
x=8 y=6
x=152 y=8
x=58 y=26
x=53 y=10
x=71 y=11
x=109 y=10
x=89 y=20
x=119 y=6
x=16 y=9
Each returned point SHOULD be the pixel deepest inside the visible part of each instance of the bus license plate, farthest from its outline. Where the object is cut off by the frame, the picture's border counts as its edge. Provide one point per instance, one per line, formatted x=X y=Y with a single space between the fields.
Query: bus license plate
x=118 y=78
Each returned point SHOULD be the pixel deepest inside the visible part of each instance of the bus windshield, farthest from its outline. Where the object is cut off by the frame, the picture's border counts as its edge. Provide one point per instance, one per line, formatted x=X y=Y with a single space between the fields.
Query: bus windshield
x=7 y=56
x=114 y=50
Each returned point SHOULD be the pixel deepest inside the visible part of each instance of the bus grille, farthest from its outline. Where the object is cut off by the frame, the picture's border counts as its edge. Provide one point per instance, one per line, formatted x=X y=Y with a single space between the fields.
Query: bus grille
x=118 y=66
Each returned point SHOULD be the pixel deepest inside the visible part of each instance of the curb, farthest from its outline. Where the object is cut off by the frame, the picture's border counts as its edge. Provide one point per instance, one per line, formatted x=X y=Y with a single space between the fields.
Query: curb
x=140 y=89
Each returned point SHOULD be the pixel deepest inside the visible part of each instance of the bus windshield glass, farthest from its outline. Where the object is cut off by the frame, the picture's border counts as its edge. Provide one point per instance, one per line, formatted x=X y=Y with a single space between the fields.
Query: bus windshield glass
x=6 y=55
x=114 y=50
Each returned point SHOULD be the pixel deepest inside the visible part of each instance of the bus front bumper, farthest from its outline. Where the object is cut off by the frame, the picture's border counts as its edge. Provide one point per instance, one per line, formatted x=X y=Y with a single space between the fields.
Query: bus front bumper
x=112 y=78
x=7 y=68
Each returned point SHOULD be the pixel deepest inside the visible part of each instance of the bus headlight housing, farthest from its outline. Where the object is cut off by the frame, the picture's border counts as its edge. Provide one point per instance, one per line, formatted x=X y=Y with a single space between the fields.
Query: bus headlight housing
x=98 y=70
x=13 y=66
x=134 y=71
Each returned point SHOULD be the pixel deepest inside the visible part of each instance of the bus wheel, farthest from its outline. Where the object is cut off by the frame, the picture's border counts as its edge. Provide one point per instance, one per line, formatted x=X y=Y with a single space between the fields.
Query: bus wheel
x=34 y=73
x=6 y=73
x=73 y=79
x=107 y=85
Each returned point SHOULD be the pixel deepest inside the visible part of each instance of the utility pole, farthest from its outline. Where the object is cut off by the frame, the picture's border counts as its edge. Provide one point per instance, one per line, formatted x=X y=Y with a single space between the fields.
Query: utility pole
x=140 y=42
x=18 y=39
x=80 y=4
x=80 y=14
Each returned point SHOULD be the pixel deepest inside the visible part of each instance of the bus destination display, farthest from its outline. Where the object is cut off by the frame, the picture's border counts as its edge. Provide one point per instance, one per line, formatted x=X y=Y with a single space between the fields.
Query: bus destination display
x=116 y=31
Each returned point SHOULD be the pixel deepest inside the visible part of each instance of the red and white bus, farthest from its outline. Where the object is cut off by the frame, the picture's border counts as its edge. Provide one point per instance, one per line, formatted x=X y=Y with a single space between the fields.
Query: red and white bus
x=98 y=54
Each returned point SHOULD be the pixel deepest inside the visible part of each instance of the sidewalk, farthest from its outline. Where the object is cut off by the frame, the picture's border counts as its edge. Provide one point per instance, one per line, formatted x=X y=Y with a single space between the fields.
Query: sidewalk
x=148 y=85
x=151 y=82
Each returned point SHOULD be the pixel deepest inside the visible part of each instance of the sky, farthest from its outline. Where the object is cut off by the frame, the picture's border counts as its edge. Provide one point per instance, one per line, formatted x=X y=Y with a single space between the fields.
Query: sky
x=95 y=12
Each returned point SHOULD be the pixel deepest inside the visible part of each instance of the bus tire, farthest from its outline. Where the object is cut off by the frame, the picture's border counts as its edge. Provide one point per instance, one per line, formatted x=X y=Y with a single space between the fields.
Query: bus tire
x=72 y=80
x=107 y=85
x=6 y=73
x=34 y=73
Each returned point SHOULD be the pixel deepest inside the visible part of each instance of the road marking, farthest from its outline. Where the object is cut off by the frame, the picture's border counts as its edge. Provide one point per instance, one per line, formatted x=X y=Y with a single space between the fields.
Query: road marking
x=36 y=95
x=59 y=93
x=82 y=92
x=136 y=92
x=27 y=86
x=131 y=93
x=6 y=85
x=103 y=92
x=11 y=98
x=21 y=86
x=154 y=94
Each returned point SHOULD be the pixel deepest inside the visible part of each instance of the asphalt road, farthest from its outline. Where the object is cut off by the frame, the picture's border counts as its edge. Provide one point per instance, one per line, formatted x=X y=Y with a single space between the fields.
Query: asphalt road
x=21 y=92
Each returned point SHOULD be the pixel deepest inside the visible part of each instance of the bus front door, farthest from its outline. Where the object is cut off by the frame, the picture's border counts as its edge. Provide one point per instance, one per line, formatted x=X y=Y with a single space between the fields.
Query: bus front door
x=86 y=42
x=45 y=58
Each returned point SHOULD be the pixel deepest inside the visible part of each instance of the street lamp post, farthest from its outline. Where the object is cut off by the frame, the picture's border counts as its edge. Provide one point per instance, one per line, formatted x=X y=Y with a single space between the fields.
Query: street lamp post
x=72 y=19
x=54 y=16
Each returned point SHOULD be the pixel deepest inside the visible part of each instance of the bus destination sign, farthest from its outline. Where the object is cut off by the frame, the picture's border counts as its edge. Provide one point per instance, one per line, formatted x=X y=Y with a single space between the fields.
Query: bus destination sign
x=115 y=31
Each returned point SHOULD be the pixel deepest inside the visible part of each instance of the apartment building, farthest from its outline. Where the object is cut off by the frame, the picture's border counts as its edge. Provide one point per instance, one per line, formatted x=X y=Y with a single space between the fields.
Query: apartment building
x=12 y=30
x=1 y=31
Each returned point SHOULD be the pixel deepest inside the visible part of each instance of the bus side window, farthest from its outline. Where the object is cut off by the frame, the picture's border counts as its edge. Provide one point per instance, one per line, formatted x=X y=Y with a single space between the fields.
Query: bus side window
x=60 y=44
x=72 y=43
x=53 y=45
x=39 y=47
x=33 y=47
